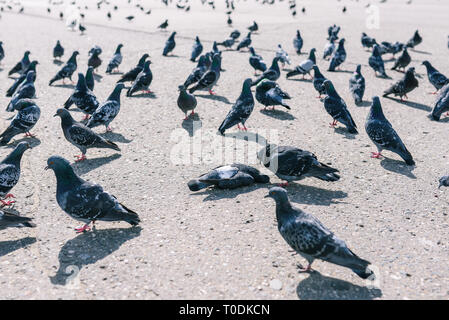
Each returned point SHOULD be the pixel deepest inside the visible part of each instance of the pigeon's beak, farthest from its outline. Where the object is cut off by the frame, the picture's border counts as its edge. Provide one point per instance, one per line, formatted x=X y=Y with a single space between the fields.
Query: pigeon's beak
x=55 y=115
x=267 y=196
x=46 y=168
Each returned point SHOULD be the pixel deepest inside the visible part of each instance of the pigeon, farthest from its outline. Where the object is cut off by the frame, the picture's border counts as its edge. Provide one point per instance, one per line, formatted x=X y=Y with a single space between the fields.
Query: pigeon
x=269 y=93
x=81 y=28
x=196 y=49
x=142 y=81
x=81 y=136
x=94 y=60
x=10 y=220
x=229 y=21
x=414 y=41
x=129 y=18
x=292 y=164
x=329 y=48
x=163 y=25
x=404 y=85
x=443 y=182
x=235 y=34
x=273 y=73
x=170 y=44
x=402 y=61
x=241 y=110
x=436 y=78
x=26 y=118
x=84 y=200
x=245 y=43
x=338 y=57
x=32 y=67
x=375 y=61
x=67 y=70
x=22 y=65
x=441 y=104
x=318 y=80
x=10 y=172
x=228 y=177
x=90 y=81
x=305 y=66
x=116 y=60
x=311 y=239
x=333 y=31
x=109 y=15
x=215 y=48
x=210 y=77
x=336 y=107
x=282 y=55
x=132 y=74
x=357 y=85
x=254 y=27
x=228 y=43
x=367 y=42
x=26 y=90
x=186 y=101
x=2 y=52
x=298 y=42
x=256 y=61
x=107 y=111
x=197 y=72
x=381 y=132
x=83 y=98
x=58 y=51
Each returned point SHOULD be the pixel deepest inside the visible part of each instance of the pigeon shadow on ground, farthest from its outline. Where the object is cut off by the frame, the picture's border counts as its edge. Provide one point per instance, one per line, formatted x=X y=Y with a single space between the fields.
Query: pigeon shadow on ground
x=343 y=131
x=215 y=193
x=319 y=287
x=58 y=62
x=69 y=86
x=398 y=166
x=88 y=248
x=188 y=124
x=150 y=95
x=117 y=73
x=300 y=79
x=115 y=137
x=278 y=114
x=6 y=247
x=90 y=164
x=415 y=105
x=422 y=52
x=304 y=194
x=214 y=97
x=97 y=77
x=173 y=56
x=33 y=141
x=363 y=103
x=248 y=136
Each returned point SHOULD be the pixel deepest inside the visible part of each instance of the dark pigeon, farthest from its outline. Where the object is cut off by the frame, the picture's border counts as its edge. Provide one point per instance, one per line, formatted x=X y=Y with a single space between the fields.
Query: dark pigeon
x=25 y=91
x=94 y=60
x=197 y=72
x=241 y=110
x=228 y=177
x=441 y=104
x=186 y=101
x=235 y=34
x=414 y=41
x=26 y=118
x=169 y=44
x=436 y=78
x=273 y=73
x=381 y=132
x=357 y=85
x=305 y=66
x=81 y=136
x=336 y=107
x=338 y=57
x=22 y=65
x=10 y=172
x=84 y=200
x=443 y=182
x=402 y=61
x=269 y=93
x=107 y=111
x=90 y=81
x=142 y=81
x=67 y=70
x=196 y=49
x=228 y=43
x=210 y=77
x=10 y=220
x=116 y=60
x=245 y=43
x=82 y=97
x=375 y=61
x=329 y=48
x=254 y=27
x=318 y=81
x=58 y=51
x=256 y=61
x=163 y=25
x=312 y=240
x=132 y=74
x=2 y=51
x=367 y=42
x=21 y=79
x=404 y=85
x=298 y=42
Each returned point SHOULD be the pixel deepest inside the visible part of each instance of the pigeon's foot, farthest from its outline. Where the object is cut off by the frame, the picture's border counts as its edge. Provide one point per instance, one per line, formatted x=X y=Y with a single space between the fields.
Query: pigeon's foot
x=108 y=129
x=333 y=124
x=86 y=117
x=283 y=184
x=28 y=134
x=307 y=269
x=376 y=155
x=9 y=195
x=80 y=158
x=212 y=92
x=83 y=228
x=319 y=97
x=433 y=92
x=7 y=203
x=147 y=91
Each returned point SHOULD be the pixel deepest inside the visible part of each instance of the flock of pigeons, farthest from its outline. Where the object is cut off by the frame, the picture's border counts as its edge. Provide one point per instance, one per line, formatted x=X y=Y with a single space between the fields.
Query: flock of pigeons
x=88 y=202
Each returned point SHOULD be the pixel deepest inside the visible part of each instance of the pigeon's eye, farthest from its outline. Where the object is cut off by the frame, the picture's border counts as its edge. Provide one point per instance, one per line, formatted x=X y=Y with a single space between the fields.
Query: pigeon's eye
x=51 y=162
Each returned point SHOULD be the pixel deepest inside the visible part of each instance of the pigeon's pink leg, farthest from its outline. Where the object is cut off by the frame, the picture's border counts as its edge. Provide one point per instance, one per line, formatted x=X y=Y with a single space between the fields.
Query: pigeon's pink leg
x=193 y=112
x=86 y=116
x=244 y=128
x=108 y=129
x=80 y=158
x=333 y=123
x=308 y=268
x=433 y=92
x=83 y=228
x=376 y=155
x=9 y=195
x=283 y=184
x=63 y=81
x=147 y=91
x=29 y=134
x=7 y=203
x=319 y=97
x=238 y=126
x=211 y=92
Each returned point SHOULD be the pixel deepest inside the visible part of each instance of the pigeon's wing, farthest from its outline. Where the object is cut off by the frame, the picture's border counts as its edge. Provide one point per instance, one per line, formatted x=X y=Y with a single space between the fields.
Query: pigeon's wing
x=438 y=79
x=9 y=176
x=82 y=136
x=383 y=134
x=217 y=174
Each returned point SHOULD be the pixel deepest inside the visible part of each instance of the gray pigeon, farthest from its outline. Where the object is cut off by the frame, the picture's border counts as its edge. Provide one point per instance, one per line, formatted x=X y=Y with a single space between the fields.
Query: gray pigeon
x=241 y=110
x=298 y=42
x=228 y=43
x=336 y=107
x=414 y=41
x=25 y=91
x=10 y=172
x=85 y=201
x=305 y=66
x=10 y=220
x=132 y=74
x=441 y=103
x=107 y=111
x=443 y=182
x=81 y=136
x=375 y=61
x=282 y=55
x=402 y=61
x=210 y=77
x=228 y=177
x=198 y=71
x=32 y=67
x=143 y=80
x=196 y=49
x=116 y=60
x=273 y=73
x=381 y=132
x=292 y=164
x=367 y=42
x=22 y=65
x=26 y=118
x=269 y=93
x=67 y=70
x=311 y=239
x=329 y=48
x=338 y=57
x=245 y=43
x=90 y=81
x=357 y=85
x=169 y=44
x=404 y=85
x=58 y=51
x=186 y=101
x=318 y=80
x=436 y=78
x=83 y=98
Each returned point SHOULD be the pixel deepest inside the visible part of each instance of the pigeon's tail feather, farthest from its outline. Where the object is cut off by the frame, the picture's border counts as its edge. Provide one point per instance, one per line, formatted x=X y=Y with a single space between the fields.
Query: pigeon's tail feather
x=352 y=129
x=324 y=172
x=55 y=78
x=364 y=273
x=195 y=185
x=406 y=155
x=7 y=135
x=331 y=177
x=293 y=73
